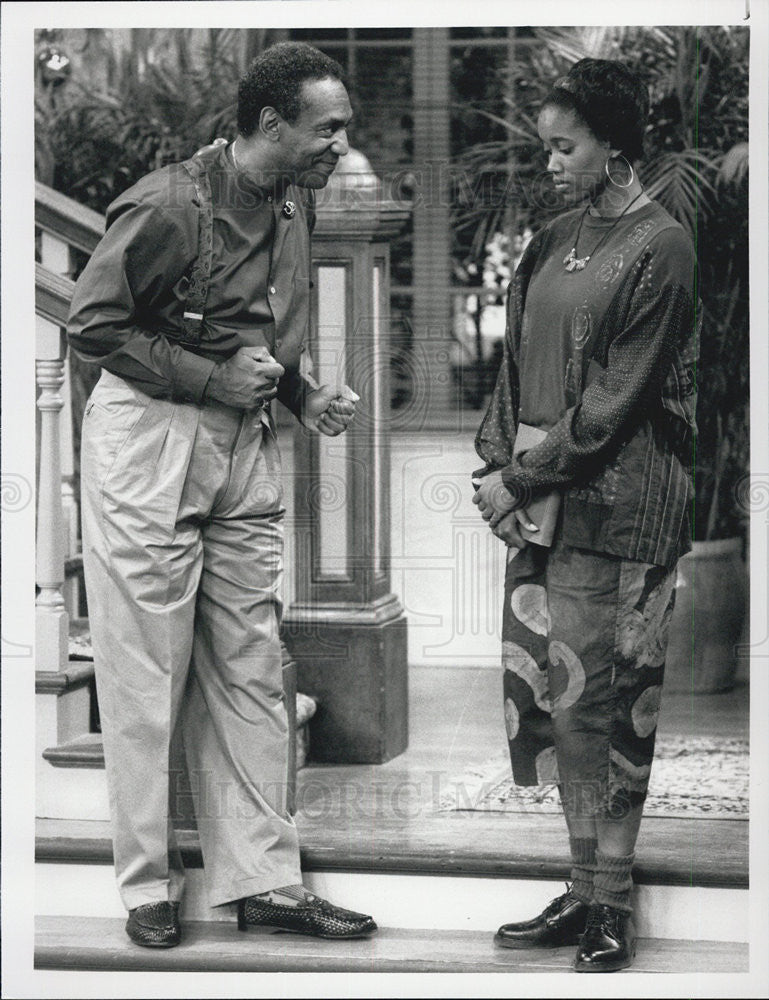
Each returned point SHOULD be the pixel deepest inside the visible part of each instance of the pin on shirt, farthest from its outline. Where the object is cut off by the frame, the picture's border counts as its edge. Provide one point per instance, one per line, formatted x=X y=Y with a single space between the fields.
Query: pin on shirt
x=289 y=209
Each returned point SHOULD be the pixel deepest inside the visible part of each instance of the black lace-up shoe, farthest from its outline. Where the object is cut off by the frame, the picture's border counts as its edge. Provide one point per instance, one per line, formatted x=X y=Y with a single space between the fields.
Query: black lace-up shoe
x=608 y=943
x=315 y=916
x=561 y=922
x=155 y=925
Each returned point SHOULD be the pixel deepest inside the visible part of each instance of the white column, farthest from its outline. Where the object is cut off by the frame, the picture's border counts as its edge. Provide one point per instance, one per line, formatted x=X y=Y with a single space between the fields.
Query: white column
x=377 y=353
x=330 y=499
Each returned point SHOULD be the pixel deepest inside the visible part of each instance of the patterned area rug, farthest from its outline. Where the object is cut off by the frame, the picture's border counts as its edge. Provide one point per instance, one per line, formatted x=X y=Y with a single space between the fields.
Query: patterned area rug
x=690 y=778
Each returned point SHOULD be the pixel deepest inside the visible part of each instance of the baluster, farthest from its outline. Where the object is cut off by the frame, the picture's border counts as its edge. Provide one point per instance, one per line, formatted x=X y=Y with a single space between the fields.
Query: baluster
x=52 y=621
x=56 y=256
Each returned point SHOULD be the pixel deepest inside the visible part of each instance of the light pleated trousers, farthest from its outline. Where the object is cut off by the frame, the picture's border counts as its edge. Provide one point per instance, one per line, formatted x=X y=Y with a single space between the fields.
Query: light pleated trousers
x=182 y=545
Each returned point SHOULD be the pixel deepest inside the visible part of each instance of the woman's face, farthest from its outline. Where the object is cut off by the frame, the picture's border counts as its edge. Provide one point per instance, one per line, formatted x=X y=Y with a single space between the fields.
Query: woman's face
x=575 y=158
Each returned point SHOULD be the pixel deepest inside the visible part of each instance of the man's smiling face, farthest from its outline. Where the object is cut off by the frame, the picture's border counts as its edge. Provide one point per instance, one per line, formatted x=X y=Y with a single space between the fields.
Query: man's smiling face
x=315 y=141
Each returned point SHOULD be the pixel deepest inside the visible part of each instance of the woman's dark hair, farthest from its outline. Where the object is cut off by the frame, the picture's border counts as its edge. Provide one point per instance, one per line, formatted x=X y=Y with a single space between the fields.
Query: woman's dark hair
x=610 y=99
x=275 y=80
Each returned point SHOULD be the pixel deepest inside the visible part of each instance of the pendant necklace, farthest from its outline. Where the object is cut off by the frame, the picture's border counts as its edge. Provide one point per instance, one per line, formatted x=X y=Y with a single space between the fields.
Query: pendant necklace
x=575 y=263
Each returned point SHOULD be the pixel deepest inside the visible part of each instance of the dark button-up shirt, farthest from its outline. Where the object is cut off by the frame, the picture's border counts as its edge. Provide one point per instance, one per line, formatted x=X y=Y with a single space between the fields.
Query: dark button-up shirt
x=126 y=312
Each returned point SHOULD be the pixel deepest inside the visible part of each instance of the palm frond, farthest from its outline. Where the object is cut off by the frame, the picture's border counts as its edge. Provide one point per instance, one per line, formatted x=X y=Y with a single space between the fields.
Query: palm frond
x=572 y=44
x=679 y=181
x=733 y=168
x=509 y=125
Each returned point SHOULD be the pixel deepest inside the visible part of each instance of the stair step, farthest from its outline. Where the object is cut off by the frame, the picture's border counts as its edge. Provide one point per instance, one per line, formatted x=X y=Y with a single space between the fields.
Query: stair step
x=709 y=853
x=87 y=750
x=101 y=944
x=84 y=751
x=74 y=877
x=78 y=672
x=417 y=900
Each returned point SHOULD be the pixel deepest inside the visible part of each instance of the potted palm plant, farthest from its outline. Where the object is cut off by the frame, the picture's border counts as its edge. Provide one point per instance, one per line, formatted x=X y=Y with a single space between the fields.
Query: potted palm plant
x=700 y=174
x=710 y=612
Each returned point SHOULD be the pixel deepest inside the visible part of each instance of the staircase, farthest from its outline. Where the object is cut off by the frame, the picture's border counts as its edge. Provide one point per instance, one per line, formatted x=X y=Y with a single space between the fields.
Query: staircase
x=438 y=883
x=437 y=902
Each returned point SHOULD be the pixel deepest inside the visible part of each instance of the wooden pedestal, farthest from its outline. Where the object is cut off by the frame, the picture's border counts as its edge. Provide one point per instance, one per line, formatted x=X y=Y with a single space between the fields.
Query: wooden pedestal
x=344 y=628
x=358 y=674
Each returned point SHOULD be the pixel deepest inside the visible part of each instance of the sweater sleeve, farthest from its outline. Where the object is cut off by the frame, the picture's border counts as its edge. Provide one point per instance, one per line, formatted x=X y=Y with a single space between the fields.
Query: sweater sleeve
x=654 y=311
x=144 y=252
x=496 y=434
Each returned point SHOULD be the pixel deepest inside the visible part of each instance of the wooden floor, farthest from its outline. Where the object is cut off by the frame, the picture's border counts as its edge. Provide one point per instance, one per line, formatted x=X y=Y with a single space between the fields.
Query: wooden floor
x=456 y=715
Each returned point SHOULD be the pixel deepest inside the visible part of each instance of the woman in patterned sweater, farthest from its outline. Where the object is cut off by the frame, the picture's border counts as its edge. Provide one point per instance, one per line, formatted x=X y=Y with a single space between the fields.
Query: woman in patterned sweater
x=592 y=417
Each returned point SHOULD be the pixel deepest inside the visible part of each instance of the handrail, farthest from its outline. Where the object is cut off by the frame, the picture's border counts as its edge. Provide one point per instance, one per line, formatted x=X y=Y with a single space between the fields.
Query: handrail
x=53 y=294
x=73 y=223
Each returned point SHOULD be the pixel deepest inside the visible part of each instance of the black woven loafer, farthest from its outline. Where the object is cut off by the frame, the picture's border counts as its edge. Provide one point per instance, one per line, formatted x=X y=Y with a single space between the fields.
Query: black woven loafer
x=155 y=925
x=608 y=943
x=561 y=922
x=315 y=916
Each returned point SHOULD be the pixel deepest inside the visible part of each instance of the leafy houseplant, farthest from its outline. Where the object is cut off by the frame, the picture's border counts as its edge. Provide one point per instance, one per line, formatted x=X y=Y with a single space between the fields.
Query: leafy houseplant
x=149 y=103
x=708 y=111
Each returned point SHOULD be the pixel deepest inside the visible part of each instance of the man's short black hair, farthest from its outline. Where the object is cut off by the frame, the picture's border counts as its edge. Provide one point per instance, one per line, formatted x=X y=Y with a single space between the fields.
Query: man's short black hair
x=610 y=99
x=275 y=80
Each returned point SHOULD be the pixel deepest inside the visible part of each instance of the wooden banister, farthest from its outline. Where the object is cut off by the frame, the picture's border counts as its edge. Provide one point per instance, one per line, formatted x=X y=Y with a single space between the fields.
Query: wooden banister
x=53 y=293
x=73 y=223
x=65 y=225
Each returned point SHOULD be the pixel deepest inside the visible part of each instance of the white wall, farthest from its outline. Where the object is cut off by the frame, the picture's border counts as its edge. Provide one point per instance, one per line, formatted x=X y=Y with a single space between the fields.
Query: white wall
x=447 y=567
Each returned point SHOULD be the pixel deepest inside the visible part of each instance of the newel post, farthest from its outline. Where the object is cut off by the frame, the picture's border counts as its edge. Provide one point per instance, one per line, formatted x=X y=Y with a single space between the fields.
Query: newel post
x=345 y=629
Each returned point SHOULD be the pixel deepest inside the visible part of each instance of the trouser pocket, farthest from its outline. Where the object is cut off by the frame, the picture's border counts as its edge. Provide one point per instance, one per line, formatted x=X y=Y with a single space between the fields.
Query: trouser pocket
x=112 y=412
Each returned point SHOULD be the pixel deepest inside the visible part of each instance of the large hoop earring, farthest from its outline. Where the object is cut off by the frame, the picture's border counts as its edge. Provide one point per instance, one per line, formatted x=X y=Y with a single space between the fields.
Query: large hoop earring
x=629 y=166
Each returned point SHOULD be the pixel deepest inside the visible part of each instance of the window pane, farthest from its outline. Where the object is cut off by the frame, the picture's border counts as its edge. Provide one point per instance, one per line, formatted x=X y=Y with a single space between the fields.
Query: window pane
x=382 y=33
x=401 y=344
x=478 y=83
x=479 y=89
x=315 y=35
x=485 y=32
x=332 y=49
x=382 y=98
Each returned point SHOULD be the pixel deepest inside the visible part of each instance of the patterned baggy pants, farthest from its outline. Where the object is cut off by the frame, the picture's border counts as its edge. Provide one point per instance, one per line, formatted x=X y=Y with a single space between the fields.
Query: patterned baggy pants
x=584 y=640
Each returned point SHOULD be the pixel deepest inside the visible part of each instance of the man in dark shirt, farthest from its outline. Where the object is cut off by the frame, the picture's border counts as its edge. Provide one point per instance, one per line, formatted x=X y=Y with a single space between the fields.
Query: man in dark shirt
x=195 y=304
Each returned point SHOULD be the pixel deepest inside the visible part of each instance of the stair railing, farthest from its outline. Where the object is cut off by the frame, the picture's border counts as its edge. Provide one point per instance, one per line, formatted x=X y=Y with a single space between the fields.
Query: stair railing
x=64 y=225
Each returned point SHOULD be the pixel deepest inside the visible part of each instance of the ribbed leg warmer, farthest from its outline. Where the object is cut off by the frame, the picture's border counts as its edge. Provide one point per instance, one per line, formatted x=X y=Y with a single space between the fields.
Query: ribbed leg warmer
x=582 y=867
x=613 y=881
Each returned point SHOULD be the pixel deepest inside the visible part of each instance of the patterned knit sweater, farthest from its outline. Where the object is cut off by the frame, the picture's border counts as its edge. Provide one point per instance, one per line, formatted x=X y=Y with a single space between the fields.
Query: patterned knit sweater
x=604 y=359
